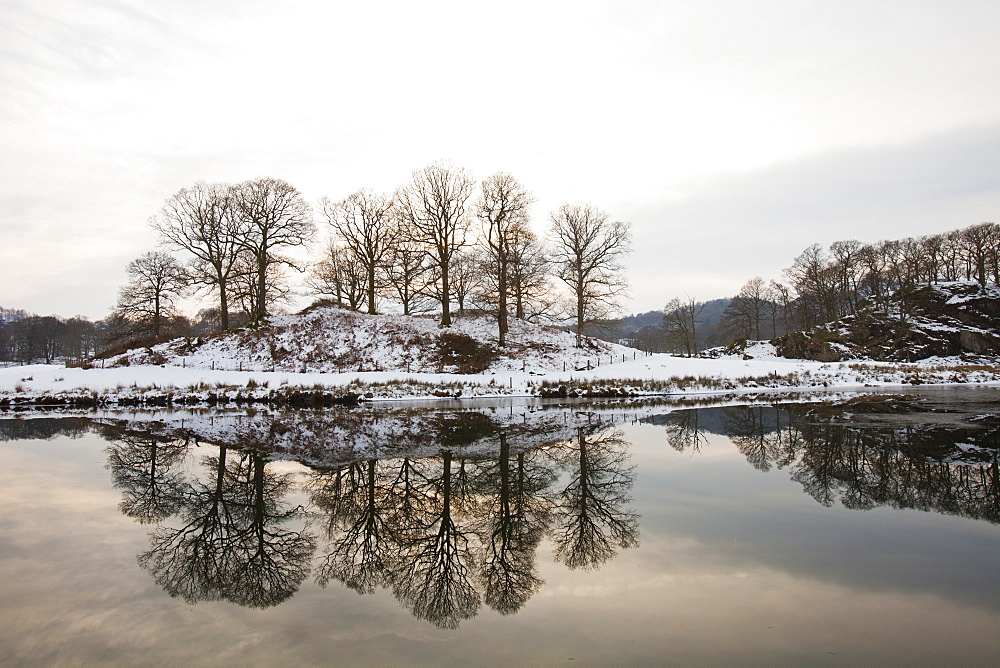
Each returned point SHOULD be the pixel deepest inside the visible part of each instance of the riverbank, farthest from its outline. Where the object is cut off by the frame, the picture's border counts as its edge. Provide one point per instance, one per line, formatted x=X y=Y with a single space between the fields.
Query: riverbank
x=652 y=375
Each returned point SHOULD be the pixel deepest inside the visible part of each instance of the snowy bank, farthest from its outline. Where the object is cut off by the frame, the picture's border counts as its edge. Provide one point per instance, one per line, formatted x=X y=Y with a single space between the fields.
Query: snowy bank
x=657 y=374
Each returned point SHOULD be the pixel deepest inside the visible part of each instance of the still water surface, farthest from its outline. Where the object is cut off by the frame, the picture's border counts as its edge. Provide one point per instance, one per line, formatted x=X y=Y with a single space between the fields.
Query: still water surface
x=507 y=534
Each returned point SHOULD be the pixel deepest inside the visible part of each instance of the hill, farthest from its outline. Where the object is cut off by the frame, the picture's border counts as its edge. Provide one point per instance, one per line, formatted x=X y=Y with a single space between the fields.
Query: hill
x=334 y=340
x=645 y=330
x=937 y=320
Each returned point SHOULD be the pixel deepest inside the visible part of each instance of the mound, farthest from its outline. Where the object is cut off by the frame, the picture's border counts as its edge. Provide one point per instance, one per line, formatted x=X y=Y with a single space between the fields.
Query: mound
x=335 y=340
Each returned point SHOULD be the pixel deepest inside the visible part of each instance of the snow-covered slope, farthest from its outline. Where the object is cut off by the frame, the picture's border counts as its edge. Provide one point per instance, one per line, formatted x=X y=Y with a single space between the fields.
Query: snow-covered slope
x=333 y=340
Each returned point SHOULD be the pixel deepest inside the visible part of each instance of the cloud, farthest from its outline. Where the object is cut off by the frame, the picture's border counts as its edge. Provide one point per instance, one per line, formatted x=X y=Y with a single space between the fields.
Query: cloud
x=719 y=232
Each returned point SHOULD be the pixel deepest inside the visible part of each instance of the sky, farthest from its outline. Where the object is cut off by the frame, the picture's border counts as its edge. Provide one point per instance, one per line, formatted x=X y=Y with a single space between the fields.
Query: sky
x=731 y=135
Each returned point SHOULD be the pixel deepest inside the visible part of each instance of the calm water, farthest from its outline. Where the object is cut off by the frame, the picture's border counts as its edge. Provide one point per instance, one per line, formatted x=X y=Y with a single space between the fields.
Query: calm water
x=507 y=534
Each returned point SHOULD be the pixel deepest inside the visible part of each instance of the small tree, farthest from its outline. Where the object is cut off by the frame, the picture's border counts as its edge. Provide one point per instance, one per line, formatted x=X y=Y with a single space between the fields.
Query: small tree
x=409 y=274
x=503 y=210
x=747 y=310
x=337 y=277
x=147 y=301
x=467 y=279
x=530 y=273
x=588 y=248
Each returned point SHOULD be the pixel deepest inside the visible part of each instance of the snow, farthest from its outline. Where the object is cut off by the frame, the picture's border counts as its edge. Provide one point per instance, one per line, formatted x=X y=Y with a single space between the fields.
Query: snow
x=961 y=292
x=393 y=357
x=674 y=374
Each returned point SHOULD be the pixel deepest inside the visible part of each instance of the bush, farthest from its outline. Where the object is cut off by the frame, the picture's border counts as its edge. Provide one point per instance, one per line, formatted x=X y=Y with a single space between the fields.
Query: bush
x=464 y=353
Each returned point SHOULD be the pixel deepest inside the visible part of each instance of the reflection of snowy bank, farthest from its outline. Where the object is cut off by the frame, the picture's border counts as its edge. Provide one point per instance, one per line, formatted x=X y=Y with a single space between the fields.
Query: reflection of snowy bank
x=332 y=437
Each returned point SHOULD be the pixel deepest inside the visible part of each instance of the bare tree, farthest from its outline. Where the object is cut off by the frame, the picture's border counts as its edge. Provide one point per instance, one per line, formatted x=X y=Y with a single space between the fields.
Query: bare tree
x=588 y=248
x=337 y=277
x=746 y=311
x=979 y=245
x=434 y=204
x=780 y=296
x=409 y=274
x=680 y=322
x=466 y=277
x=847 y=268
x=245 y=293
x=274 y=216
x=530 y=274
x=200 y=220
x=366 y=224
x=503 y=210
x=156 y=280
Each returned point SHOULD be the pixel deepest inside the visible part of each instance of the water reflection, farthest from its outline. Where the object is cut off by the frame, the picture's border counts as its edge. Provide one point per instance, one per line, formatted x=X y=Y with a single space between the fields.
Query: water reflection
x=145 y=469
x=899 y=463
x=449 y=510
x=456 y=525
x=232 y=543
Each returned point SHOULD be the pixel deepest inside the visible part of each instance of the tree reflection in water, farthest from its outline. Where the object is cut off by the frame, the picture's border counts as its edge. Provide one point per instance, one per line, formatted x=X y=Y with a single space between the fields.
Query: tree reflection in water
x=592 y=515
x=232 y=545
x=447 y=510
x=443 y=534
x=145 y=468
x=946 y=469
x=513 y=521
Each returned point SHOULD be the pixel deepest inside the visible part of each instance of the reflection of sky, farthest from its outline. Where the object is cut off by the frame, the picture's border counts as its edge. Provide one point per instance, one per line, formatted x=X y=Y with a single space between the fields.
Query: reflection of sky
x=734 y=566
x=737 y=522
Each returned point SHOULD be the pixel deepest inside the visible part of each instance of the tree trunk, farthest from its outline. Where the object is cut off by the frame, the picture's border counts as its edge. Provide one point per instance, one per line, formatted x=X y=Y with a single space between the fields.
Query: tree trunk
x=371 y=289
x=445 y=297
x=261 y=306
x=156 y=316
x=223 y=305
x=502 y=303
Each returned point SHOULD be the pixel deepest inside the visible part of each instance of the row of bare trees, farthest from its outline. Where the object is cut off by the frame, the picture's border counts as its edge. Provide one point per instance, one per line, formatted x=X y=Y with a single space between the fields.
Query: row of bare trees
x=27 y=338
x=831 y=284
x=440 y=239
x=236 y=238
x=827 y=284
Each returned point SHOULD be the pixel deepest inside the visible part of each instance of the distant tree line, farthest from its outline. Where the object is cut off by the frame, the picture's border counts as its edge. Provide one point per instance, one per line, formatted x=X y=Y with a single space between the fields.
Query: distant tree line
x=442 y=239
x=823 y=285
x=26 y=337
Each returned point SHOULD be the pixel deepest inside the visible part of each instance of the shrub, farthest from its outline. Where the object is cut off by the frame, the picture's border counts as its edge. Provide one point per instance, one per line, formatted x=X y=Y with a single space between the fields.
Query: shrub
x=464 y=353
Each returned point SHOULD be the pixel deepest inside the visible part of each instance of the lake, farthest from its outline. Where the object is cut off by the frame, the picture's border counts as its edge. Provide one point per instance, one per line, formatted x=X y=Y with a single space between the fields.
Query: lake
x=761 y=532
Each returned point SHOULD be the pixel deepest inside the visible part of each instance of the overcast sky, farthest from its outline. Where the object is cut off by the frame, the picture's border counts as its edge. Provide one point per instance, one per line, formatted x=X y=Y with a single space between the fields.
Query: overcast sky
x=730 y=134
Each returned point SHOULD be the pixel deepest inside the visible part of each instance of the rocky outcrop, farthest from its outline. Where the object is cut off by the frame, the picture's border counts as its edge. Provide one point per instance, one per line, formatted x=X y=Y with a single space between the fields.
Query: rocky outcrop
x=940 y=319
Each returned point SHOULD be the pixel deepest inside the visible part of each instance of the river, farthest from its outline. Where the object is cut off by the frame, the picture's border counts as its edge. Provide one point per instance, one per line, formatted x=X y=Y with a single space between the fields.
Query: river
x=769 y=532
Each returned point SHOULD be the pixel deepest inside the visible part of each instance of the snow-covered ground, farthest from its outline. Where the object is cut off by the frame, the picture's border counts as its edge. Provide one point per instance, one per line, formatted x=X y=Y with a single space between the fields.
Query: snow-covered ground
x=645 y=374
x=339 y=353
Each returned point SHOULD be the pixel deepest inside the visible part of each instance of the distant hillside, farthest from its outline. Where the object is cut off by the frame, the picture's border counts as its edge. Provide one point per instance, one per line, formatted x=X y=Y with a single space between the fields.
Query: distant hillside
x=942 y=319
x=644 y=330
x=330 y=339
